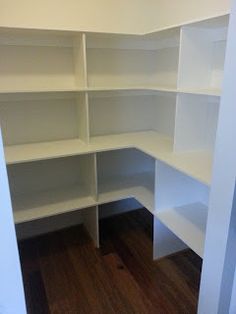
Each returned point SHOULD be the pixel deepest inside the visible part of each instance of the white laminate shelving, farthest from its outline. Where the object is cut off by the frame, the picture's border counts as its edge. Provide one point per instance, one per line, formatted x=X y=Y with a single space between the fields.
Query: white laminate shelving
x=123 y=112
x=202 y=54
x=36 y=118
x=180 y=211
x=188 y=222
x=138 y=186
x=126 y=173
x=195 y=164
x=133 y=60
x=48 y=203
x=195 y=122
x=52 y=187
x=91 y=118
x=41 y=60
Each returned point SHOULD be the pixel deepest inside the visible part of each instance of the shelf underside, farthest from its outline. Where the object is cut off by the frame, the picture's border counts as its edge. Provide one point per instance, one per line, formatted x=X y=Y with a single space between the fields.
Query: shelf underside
x=188 y=223
x=37 y=205
x=195 y=164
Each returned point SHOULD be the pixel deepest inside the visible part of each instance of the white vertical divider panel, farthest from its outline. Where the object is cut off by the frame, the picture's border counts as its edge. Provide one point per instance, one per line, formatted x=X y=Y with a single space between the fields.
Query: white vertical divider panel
x=94 y=179
x=91 y=215
x=172 y=189
x=91 y=223
x=195 y=122
x=219 y=258
x=83 y=116
x=80 y=61
x=11 y=288
x=194 y=59
x=165 y=242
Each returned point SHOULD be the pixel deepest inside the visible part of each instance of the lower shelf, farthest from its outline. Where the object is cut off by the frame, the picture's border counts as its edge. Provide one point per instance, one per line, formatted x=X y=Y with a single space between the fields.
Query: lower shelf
x=58 y=201
x=139 y=186
x=49 y=203
x=188 y=223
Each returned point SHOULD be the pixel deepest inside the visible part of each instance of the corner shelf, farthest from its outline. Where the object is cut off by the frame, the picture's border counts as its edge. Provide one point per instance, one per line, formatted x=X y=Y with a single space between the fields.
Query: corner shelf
x=139 y=186
x=188 y=222
x=195 y=164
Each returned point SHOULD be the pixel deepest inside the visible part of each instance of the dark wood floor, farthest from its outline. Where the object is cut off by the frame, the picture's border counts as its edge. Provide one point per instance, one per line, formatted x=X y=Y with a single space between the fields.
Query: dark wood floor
x=64 y=274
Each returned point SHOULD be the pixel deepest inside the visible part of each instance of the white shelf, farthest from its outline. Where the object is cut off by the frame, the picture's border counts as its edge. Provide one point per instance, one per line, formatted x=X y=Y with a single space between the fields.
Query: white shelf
x=15 y=154
x=38 y=205
x=41 y=90
x=164 y=89
x=195 y=164
x=205 y=92
x=90 y=89
x=140 y=186
x=49 y=203
x=188 y=223
x=130 y=88
x=48 y=150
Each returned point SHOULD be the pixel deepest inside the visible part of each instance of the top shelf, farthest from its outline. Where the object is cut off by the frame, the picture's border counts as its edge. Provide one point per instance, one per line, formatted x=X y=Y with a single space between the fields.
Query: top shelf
x=43 y=61
x=210 y=22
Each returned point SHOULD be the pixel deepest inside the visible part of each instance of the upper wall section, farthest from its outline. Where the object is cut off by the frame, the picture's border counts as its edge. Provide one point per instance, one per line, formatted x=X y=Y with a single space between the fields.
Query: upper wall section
x=133 y=16
x=184 y=11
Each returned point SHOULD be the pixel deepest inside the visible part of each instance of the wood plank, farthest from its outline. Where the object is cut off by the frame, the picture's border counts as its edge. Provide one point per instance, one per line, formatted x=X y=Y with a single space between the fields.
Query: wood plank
x=64 y=273
x=36 y=299
x=136 y=252
x=128 y=287
x=100 y=290
x=64 y=291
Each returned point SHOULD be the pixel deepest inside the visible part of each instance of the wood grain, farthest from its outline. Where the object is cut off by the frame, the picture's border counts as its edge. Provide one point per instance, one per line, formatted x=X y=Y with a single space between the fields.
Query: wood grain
x=64 y=273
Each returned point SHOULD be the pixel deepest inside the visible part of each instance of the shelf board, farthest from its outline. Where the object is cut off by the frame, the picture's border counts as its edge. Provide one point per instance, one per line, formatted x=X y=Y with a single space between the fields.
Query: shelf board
x=194 y=164
x=134 y=88
x=203 y=92
x=164 y=89
x=44 y=150
x=29 y=207
x=139 y=186
x=42 y=90
x=38 y=205
x=65 y=148
x=188 y=223
x=90 y=89
x=197 y=165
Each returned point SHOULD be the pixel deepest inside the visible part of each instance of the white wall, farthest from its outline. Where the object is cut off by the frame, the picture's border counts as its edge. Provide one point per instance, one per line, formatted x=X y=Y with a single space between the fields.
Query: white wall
x=220 y=254
x=169 y=12
x=11 y=287
x=133 y=16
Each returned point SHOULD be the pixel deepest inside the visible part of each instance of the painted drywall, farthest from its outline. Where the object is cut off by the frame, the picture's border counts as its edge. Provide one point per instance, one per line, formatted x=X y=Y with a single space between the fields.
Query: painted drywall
x=11 y=287
x=133 y=16
x=169 y=13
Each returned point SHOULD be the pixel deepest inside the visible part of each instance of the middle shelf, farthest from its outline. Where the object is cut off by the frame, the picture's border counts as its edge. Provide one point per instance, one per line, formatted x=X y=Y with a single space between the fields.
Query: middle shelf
x=195 y=164
x=68 y=124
